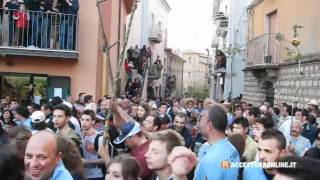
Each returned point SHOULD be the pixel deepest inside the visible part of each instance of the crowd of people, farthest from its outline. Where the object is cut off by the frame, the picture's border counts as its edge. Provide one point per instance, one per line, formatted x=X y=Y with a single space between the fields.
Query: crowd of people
x=33 y=23
x=139 y=60
x=136 y=59
x=175 y=139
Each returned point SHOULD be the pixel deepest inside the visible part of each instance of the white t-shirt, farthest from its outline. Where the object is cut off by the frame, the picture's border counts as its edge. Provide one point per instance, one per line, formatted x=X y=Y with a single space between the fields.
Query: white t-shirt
x=76 y=124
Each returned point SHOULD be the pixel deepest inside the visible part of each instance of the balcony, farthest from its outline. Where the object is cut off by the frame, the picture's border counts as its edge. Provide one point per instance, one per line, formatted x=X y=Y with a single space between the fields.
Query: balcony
x=263 y=50
x=223 y=23
x=34 y=33
x=221 y=32
x=219 y=16
x=263 y=55
x=220 y=62
x=155 y=71
x=221 y=19
x=155 y=35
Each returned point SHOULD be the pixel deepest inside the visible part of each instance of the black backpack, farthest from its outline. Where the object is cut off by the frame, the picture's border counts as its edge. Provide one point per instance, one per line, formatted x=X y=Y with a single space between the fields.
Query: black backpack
x=112 y=152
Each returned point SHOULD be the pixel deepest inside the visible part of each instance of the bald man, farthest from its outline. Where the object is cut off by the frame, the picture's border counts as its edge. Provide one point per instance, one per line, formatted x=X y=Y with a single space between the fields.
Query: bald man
x=42 y=160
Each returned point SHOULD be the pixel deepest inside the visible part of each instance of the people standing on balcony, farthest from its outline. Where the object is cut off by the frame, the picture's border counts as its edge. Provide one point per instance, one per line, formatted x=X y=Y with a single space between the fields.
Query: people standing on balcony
x=69 y=10
x=136 y=85
x=11 y=7
x=56 y=6
x=149 y=52
x=158 y=61
x=129 y=90
x=21 y=18
x=45 y=21
x=142 y=60
x=128 y=65
x=129 y=53
x=135 y=56
x=34 y=26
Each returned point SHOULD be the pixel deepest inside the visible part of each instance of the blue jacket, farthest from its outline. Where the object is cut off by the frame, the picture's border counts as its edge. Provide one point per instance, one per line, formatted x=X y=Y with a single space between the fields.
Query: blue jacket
x=60 y=172
x=186 y=134
x=309 y=132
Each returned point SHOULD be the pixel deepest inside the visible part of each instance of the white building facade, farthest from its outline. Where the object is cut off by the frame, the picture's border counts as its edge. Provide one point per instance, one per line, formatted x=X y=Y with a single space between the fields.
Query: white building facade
x=229 y=42
x=195 y=73
x=150 y=28
x=237 y=36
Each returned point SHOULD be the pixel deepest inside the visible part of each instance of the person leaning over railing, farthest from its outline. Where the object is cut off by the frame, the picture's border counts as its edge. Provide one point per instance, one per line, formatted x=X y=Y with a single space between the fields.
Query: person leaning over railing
x=46 y=7
x=69 y=10
x=21 y=18
x=11 y=7
x=33 y=6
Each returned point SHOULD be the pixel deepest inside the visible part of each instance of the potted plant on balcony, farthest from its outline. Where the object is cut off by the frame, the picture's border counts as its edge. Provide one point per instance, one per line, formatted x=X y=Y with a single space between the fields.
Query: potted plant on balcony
x=294 y=53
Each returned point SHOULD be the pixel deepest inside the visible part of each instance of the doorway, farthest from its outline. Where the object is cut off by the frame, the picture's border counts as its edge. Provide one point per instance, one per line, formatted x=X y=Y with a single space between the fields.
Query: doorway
x=269 y=90
x=16 y=85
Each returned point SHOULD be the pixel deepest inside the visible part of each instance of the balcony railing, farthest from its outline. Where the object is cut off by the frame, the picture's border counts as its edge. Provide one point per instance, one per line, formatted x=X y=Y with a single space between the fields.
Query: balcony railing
x=221 y=31
x=34 y=33
x=223 y=23
x=155 y=35
x=155 y=71
x=263 y=50
x=221 y=19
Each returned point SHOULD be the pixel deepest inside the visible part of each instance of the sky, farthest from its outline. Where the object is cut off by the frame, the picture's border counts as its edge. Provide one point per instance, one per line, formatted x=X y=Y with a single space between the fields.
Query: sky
x=190 y=24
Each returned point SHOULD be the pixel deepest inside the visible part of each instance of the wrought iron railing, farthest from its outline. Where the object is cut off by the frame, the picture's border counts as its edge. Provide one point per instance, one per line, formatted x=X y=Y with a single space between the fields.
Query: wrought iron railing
x=155 y=34
x=264 y=49
x=41 y=30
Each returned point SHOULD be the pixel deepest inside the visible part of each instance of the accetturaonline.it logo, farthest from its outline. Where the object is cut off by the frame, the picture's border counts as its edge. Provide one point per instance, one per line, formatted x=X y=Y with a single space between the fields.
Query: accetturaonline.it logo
x=266 y=165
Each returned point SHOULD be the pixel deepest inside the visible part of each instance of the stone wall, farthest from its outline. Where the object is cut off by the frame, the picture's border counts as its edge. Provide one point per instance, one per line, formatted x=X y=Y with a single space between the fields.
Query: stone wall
x=288 y=86
x=291 y=88
x=253 y=90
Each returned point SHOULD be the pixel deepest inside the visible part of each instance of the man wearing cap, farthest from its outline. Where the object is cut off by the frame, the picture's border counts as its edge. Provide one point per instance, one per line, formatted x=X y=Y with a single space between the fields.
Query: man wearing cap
x=190 y=106
x=38 y=122
x=312 y=106
x=165 y=122
x=163 y=110
x=131 y=134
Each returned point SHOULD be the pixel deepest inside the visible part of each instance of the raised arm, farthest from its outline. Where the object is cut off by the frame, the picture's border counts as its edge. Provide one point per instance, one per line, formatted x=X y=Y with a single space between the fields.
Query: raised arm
x=119 y=115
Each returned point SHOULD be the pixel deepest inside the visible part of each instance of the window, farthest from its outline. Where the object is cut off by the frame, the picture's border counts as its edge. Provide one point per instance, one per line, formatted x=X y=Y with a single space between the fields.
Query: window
x=17 y=86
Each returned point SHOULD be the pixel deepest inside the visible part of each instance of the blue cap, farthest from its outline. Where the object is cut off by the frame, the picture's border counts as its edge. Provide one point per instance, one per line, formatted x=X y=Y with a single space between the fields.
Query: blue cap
x=128 y=129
